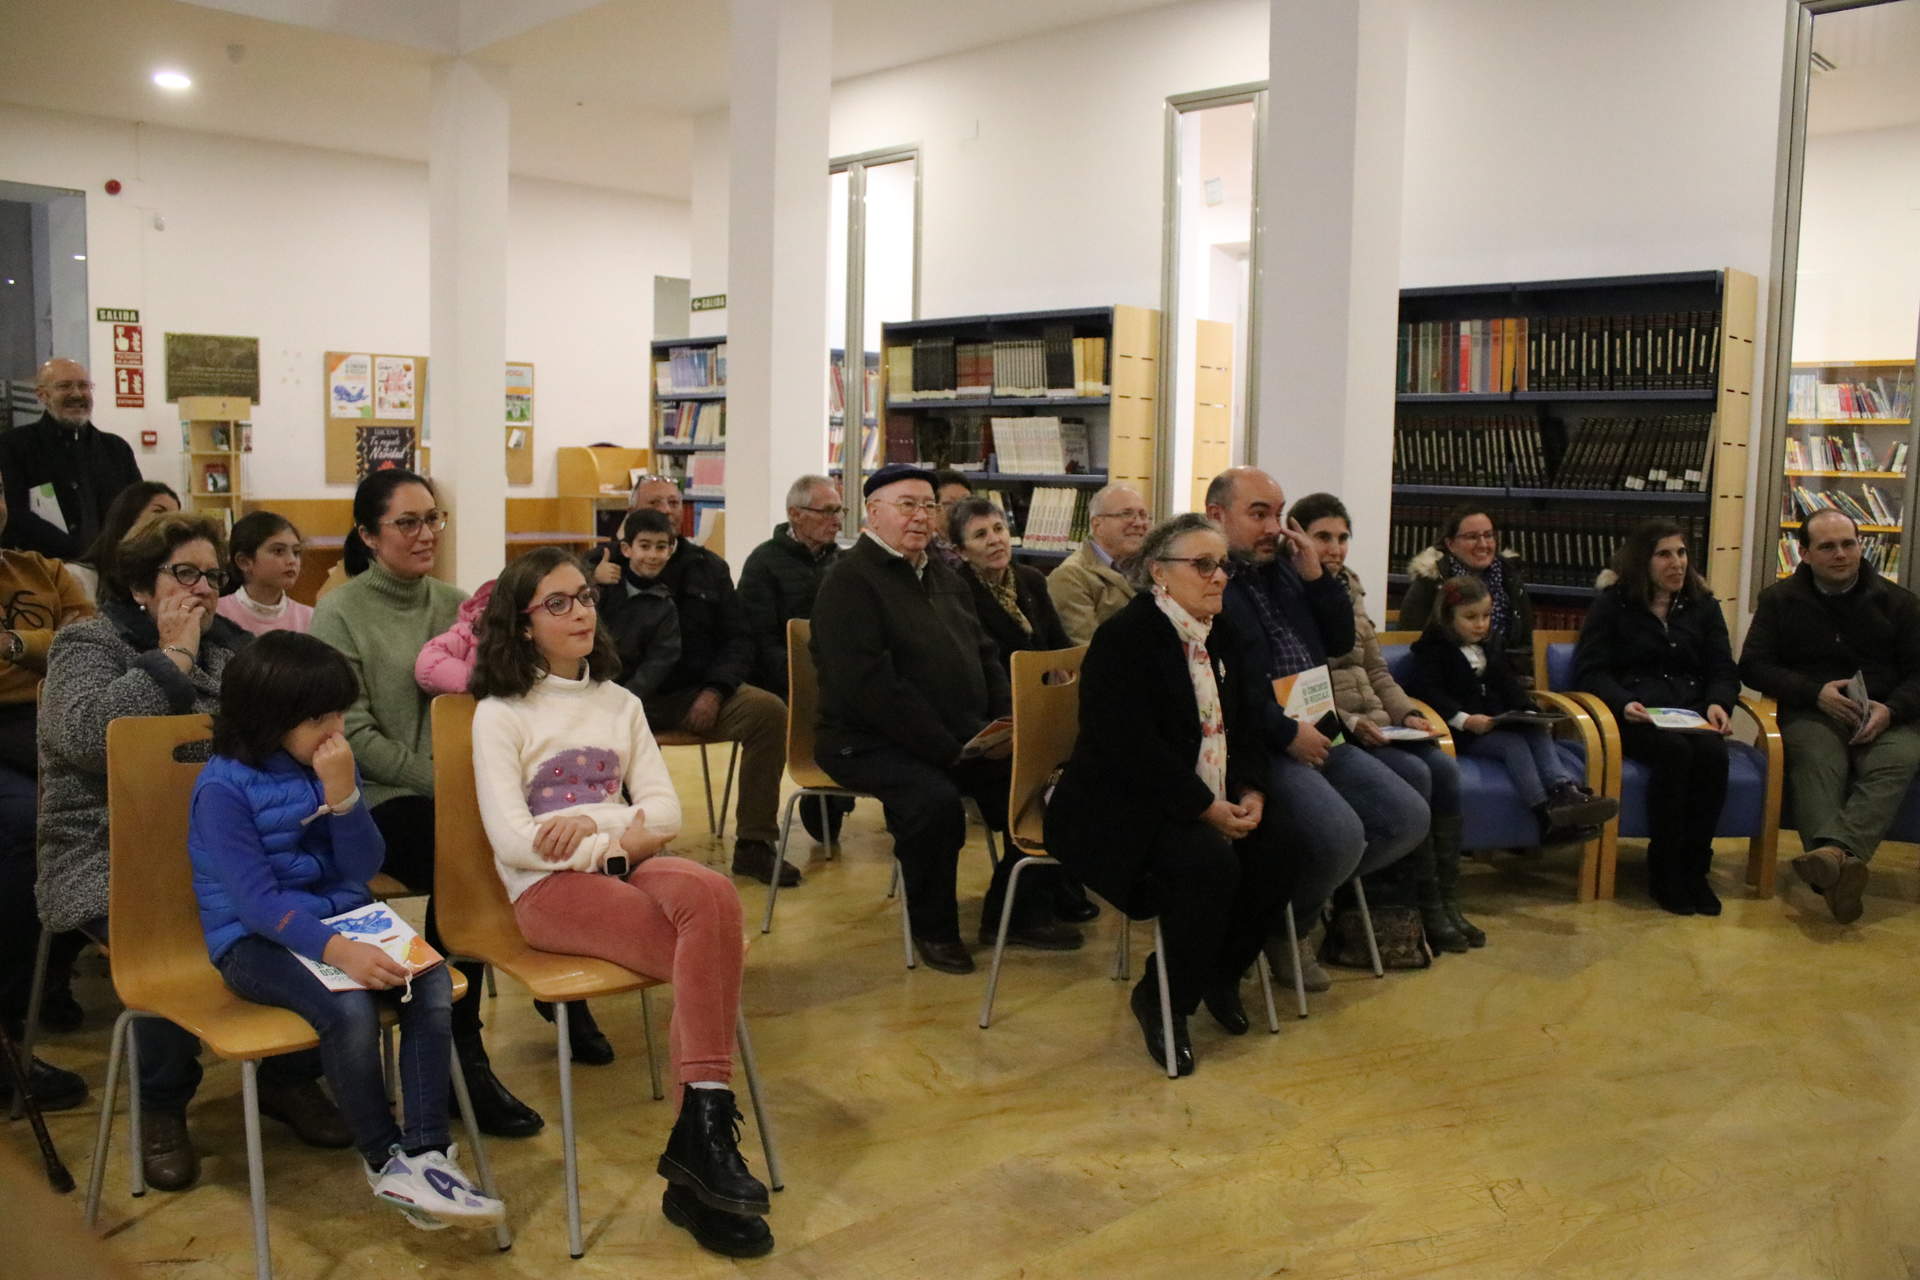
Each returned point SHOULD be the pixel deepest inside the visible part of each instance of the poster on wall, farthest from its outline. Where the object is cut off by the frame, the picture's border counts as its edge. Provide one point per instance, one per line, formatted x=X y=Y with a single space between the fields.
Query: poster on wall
x=519 y=395
x=209 y=364
x=350 y=385
x=394 y=391
x=383 y=449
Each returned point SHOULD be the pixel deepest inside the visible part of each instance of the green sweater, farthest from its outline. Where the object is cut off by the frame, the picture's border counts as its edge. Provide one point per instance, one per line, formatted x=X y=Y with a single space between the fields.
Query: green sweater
x=381 y=623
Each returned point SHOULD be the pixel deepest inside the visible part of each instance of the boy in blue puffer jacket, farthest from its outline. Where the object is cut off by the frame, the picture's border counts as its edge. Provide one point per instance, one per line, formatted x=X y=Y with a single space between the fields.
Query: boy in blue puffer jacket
x=280 y=841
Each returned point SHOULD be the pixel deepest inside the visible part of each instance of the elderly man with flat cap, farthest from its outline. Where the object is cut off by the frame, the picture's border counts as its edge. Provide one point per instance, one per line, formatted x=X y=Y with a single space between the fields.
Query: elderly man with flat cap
x=907 y=678
x=62 y=471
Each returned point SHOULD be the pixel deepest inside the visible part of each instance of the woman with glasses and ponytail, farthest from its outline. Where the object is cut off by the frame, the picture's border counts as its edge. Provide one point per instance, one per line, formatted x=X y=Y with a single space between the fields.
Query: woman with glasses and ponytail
x=388 y=609
x=1468 y=545
x=1162 y=808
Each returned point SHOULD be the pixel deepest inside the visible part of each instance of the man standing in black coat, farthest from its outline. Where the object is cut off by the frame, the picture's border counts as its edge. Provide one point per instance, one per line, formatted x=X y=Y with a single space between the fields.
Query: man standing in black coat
x=1848 y=768
x=706 y=693
x=62 y=471
x=907 y=678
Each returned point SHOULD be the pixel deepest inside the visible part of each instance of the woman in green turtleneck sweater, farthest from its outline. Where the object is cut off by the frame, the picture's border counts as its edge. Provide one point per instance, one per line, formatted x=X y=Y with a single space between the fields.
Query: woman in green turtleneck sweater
x=380 y=618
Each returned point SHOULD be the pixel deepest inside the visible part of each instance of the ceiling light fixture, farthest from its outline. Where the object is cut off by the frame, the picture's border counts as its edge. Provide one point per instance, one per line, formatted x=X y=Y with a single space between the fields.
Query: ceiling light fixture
x=79 y=257
x=175 y=80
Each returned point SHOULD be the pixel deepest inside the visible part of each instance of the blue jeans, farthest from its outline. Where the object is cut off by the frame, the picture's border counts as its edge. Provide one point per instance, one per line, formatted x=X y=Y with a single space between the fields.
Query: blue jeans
x=170 y=1055
x=1532 y=761
x=1353 y=816
x=1428 y=770
x=349 y=1026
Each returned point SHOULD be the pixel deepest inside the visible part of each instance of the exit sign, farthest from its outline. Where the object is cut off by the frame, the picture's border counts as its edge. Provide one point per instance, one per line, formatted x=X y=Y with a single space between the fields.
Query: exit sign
x=116 y=315
x=712 y=302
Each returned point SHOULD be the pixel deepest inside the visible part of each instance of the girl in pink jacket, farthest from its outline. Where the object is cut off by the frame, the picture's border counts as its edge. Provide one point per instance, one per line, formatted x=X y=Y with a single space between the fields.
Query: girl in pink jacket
x=447 y=660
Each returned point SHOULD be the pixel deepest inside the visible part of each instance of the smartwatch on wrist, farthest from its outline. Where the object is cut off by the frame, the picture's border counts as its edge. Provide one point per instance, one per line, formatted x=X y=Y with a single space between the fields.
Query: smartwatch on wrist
x=615 y=865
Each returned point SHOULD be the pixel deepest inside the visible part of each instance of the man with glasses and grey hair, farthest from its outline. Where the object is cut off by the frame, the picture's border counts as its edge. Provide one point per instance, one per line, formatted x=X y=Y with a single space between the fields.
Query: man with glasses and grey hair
x=62 y=471
x=908 y=677
x=1092 y=585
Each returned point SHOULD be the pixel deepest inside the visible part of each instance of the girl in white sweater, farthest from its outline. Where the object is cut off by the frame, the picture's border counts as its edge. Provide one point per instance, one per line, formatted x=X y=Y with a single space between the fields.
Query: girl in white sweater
x=579 y=809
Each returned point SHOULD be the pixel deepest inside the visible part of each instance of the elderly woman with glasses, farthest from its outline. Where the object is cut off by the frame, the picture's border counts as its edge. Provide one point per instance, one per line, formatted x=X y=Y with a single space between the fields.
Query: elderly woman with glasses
x=1469 y=545
x=160 y=651
x=1161 y=808
x=388 y=609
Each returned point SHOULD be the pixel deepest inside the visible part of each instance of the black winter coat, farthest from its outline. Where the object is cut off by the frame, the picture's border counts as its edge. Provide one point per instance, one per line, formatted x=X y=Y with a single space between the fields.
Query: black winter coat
x=1132 y=769
x=902 y=658
x=87 y=469
x=1030 y=589
x=1626 y=654
x=777 y=583
x=1442 y=678
x=715 y=650
x=1802 y=638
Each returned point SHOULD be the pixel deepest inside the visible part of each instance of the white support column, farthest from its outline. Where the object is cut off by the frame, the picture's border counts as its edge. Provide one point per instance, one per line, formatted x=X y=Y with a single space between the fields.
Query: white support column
x=467 y=253
x=1330 y=183
x=777 y=260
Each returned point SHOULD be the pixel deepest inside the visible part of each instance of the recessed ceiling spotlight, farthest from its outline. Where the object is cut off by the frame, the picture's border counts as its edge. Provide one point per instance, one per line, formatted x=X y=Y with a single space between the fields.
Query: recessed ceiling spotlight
x=79 y=257
x=173 y=80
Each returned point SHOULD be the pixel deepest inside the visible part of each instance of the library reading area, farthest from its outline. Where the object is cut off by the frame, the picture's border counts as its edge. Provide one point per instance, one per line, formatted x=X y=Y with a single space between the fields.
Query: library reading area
x=1084 y=638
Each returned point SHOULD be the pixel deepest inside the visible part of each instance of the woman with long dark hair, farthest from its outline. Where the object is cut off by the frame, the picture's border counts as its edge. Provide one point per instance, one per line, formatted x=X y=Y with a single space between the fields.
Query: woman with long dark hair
x=1656 y=638
x=380 y=618
x=93 y=568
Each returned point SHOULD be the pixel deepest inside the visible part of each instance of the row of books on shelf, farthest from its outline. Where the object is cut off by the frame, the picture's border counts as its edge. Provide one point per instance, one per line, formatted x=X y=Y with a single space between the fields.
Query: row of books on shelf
x=1041 y=446
x=837 y=386
x=1057 y=364
x=1055 y=519
x=1851 y=452
x=706 y=476
x=1560 y=548
x=1881 y=550
x=1871 y=507
x=1880 y=397
x=691 y=422
x=1663 y=351
x=1668 y=453
x=869 y=447
x=691 y=369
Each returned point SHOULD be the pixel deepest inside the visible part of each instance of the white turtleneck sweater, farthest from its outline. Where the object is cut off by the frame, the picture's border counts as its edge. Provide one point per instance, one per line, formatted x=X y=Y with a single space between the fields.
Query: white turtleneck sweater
x=566 y=746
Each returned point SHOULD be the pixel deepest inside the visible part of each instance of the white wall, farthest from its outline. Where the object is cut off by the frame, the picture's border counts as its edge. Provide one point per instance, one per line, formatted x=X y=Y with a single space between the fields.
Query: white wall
x=313 y=250
x=1859 y=286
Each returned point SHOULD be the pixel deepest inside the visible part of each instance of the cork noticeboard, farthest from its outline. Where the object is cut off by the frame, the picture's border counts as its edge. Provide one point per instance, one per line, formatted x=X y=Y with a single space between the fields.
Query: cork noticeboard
x=375 y=393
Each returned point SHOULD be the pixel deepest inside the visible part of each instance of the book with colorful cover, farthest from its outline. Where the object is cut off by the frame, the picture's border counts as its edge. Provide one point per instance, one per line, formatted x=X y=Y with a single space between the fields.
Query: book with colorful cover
x=1679 y=720
x=375 y=923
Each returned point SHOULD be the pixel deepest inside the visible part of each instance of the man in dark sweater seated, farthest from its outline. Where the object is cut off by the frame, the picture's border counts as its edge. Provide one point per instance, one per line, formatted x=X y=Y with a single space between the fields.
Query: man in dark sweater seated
x=907 y=678
x=1343 y=813
x=705 y=691
x=1848 y=766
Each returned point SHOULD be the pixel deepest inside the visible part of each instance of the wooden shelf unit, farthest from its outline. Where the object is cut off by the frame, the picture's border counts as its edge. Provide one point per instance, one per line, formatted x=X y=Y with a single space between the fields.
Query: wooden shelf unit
x=215 y=436
x=1122 y=425
x=1825 y=411
x=679 y=395
x=1716 y=511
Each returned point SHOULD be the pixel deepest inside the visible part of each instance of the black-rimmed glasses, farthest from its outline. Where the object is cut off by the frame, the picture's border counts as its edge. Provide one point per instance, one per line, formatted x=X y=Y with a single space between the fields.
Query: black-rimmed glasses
x=1205 y=566
x=560 y=604
x=190 y=575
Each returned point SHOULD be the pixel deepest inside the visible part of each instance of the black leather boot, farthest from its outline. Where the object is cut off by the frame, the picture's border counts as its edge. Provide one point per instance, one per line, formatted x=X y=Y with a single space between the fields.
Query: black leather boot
x=1446 y=872
x=1145 y=1003
x=1434 y=920
x=496 y=1112
x=703 y=1154
x=734 y=1235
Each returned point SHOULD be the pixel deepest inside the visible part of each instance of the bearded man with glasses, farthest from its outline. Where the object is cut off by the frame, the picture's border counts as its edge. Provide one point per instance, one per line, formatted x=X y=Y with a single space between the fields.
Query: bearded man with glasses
x=62 y=471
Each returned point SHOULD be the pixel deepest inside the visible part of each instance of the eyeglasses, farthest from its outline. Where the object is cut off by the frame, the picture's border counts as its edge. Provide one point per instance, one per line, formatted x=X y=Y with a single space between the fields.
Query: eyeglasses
x=69 y=386
x=835 y=512
x=190 y=575
x=910 y=507
x=560 y=604
x=651 y=478
x=1130 y=514
x=1205 y=566
x=410 y=525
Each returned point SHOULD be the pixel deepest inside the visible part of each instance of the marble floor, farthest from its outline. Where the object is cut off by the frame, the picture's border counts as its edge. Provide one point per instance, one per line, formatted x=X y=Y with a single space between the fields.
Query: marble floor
x=1603 y=1091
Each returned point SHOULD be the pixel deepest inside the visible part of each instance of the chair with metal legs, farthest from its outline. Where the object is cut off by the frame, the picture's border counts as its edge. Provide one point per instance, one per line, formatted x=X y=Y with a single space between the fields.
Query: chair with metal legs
x=716 y=818
x=160 y=965
x=477 y=922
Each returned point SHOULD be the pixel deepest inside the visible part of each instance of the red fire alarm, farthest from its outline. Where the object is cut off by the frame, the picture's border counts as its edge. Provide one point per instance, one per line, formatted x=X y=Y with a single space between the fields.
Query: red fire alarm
x=113 y=186
x=149 y=439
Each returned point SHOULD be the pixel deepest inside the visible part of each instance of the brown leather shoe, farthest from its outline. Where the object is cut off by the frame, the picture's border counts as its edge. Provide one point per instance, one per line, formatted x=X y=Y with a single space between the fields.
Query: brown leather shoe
x=310 y=1113
x=1844 y=897
x=949 y=955
x=166 y=1151
x=1819 y=867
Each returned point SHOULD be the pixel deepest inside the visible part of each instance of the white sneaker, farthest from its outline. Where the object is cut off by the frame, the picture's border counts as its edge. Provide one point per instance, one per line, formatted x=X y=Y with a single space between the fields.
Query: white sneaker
x=433 y=1192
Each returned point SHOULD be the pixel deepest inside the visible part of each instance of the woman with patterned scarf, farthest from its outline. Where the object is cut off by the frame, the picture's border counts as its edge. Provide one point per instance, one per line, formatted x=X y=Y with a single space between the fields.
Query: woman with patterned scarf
x=1011 y=599
x=1162 y=808
x=1469 y=545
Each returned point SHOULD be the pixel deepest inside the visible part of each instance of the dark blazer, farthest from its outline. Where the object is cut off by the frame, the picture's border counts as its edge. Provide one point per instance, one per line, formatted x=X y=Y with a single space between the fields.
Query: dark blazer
x=1627 y=655
x=716 y=651
x=1802 y=638
x=645 y=626
x=902 y=658
x=1320 y=611
x=87 y=469
x=777 y=583
x=1132 y=767
x=1030 y=589
x=1442 y=678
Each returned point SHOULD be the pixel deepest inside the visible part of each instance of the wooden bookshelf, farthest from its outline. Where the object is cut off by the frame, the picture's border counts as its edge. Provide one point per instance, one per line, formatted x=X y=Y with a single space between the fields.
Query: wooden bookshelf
x=690 y=382
x=1112 y=389
x=1857 y=416
x=1579 y=388
x=216 y=434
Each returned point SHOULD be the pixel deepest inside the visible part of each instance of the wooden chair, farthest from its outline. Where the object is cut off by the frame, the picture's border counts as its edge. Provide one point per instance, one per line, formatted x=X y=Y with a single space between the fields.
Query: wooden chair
x=1754 y=773
x=1046 y=721
x=160 y=965
x=477 y=922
